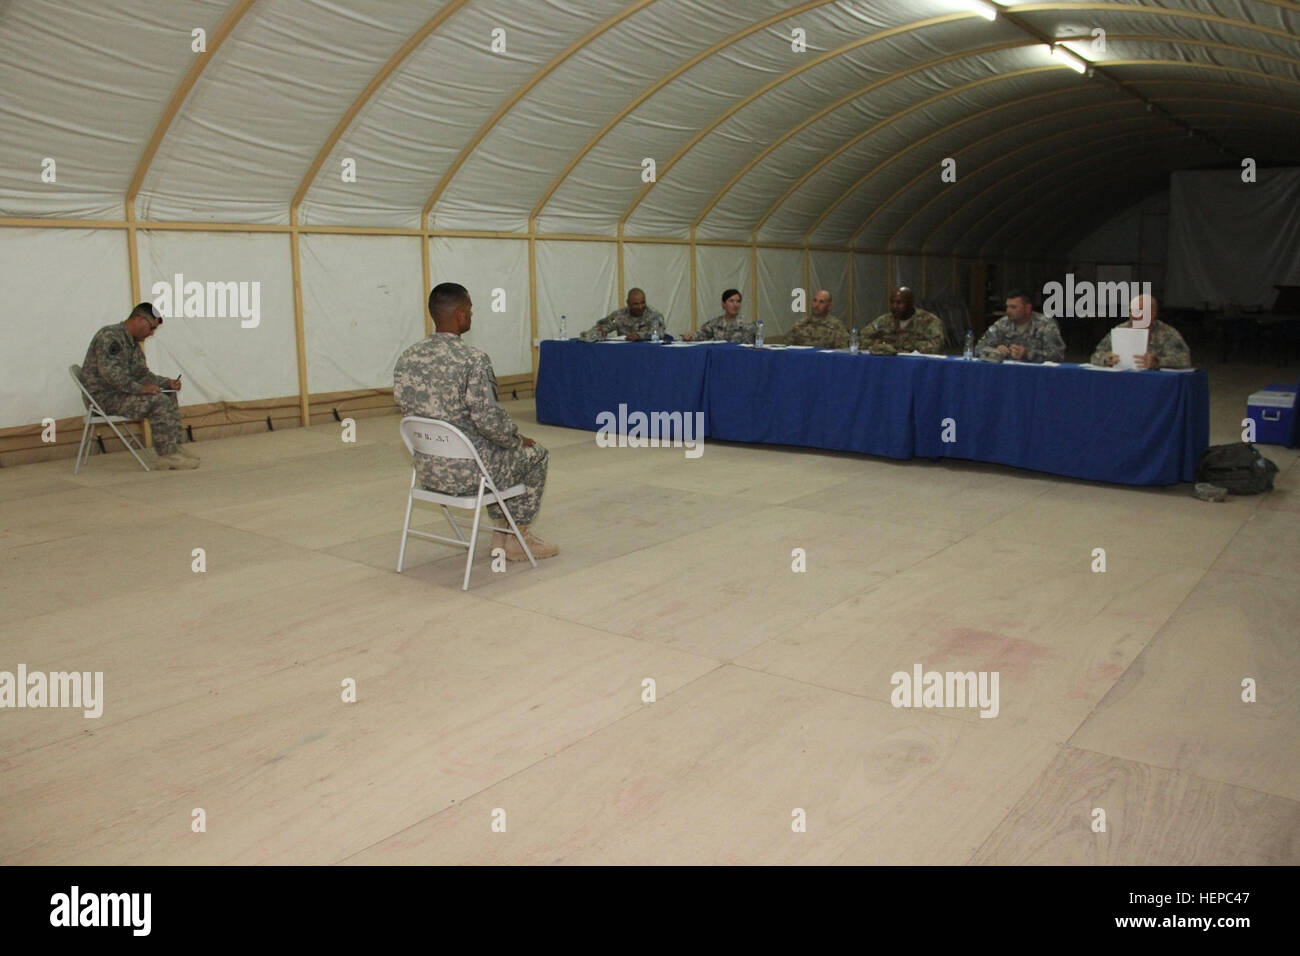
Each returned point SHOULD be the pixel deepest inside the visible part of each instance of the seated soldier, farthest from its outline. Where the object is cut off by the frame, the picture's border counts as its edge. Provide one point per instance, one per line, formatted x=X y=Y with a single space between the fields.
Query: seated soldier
x=820 y=328
x=115 y=373
x=904 y=328
x=1165 y=347
x=1022 y=334
x=635 y=320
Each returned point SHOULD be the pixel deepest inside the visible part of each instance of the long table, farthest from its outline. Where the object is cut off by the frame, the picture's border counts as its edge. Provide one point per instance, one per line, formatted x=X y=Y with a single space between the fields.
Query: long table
x=1133 y=428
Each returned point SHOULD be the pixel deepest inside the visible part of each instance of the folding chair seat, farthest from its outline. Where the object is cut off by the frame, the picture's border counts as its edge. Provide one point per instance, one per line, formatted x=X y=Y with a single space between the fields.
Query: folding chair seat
x=430 y=436
x=96 y=416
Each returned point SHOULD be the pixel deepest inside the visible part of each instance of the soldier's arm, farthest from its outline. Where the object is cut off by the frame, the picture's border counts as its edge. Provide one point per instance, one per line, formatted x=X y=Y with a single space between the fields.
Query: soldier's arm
x=487 y=414
x=839 y=336
x=115 y=367
x=599 y=330
x=704 y=332
x=930 y=338
x=1101 y=351
x=1050 y=349
x=987 y=347
x=1173 y=352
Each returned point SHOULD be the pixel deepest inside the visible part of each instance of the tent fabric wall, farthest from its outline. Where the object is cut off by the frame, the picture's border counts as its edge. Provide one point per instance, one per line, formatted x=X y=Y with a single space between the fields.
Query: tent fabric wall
x=664 y=273
x=222 y=358
x=578 y=280
x=830 y=271
x=52 y=315
x=484 y=266
x=1230 y=240
x=780 y=273
x=870 y=287
x=363 y=305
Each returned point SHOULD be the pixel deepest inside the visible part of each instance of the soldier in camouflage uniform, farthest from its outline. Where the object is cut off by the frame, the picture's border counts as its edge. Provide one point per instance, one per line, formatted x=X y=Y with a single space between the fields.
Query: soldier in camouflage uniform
x=727 y=327
x=635 y=320
x=115 y=373
x=1165 y=347
x=820 y=328
x=443 y=377
x=904 y=328
x=1022 y=334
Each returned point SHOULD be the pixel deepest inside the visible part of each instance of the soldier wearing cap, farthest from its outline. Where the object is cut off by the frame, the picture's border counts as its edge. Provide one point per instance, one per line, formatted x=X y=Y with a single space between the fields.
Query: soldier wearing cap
x=446 y=378
x=115 y=373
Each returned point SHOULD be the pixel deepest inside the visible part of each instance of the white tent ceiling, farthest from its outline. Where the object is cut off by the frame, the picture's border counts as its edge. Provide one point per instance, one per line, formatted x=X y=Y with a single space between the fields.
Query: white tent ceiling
x=752 y=141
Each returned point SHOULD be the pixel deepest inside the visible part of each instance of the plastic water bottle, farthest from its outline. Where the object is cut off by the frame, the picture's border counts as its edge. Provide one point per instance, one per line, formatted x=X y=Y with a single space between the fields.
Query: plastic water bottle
x=758 y=334
x=969 y=354
x=853 y=340
x=656 y=331
x=563 y=335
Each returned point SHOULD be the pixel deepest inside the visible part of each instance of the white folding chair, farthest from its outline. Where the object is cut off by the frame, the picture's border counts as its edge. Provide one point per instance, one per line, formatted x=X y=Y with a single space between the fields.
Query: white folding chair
x=429 y=436
x=96 y=416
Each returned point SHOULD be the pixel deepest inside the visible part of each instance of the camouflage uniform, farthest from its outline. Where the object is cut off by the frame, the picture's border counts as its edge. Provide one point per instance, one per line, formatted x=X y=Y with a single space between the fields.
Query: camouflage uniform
x=1163 y=341
x=924 y=333
x=621 y=322
x=723 y=329
x=826 y=332
x=114 y=371
x=1040 y=337
x=444 y=377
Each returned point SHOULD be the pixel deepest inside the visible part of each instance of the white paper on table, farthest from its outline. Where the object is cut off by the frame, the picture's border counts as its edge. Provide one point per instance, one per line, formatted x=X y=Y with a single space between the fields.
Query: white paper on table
x=1098 y=368
x=1127 y=343
x=1051 y=364
x=800 y=346
x=1178 y=370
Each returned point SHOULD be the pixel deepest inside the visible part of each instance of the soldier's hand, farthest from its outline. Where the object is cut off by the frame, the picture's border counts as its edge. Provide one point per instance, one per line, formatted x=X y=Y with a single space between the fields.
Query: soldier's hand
x=633 y=337
x=1110 y=359
x=1147 y=360
x=1003 y=350
x=1017 y=352
x=526 y=442
x=174 y=383
x=688 y=336
x=150 y=390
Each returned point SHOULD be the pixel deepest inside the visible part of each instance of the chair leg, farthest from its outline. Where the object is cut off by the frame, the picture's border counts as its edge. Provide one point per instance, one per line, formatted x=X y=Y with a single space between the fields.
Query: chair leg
x=82 y=453
x=473 y=536
x=515 y=529
x=452 y=521
x=127 y=444
x=406 y=527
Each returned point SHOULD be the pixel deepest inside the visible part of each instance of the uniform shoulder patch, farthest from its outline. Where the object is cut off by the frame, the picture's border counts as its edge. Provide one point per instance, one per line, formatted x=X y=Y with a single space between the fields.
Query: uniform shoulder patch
x=114 y=348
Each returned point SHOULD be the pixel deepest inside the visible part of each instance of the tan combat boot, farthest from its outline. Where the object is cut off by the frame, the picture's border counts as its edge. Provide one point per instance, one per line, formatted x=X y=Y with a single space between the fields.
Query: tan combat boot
x=175 y=462
x=188 y=452
x=510 y=544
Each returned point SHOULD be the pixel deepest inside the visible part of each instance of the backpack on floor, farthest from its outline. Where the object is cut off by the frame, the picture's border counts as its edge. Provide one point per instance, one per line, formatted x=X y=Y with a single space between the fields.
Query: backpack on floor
x=1238 y=467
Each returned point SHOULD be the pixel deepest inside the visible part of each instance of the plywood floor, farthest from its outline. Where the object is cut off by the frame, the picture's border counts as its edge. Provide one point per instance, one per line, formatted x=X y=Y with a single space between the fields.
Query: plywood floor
x=521 y=701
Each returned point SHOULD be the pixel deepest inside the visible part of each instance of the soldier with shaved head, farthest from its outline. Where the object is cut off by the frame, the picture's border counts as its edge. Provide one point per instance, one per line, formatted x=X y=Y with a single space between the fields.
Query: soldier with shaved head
x=635 y=321
x=904 y=328
x=819 y=328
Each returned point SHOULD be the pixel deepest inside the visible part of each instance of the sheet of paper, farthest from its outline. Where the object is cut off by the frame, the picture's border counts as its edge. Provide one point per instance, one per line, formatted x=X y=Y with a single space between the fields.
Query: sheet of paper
x=1127 y=343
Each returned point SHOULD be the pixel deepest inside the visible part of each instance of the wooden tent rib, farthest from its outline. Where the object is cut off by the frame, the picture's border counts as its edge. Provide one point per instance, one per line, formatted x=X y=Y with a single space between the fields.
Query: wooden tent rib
x=785 y=77
x=385 y=71
x=559 y=59
x=660 y=84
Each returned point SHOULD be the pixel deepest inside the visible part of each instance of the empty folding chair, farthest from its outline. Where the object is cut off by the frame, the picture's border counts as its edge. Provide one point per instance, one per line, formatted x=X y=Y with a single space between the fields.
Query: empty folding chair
x=96 y=416
x=429 y=436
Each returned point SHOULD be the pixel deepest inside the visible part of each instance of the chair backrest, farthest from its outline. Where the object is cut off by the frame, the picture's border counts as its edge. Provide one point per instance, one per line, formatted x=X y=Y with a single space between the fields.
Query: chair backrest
x=439 y=439
x=86 y=398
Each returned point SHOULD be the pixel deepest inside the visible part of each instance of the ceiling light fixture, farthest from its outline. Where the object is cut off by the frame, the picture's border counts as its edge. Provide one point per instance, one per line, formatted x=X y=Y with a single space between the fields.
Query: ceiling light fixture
x=985 y=9
x=1073 y=61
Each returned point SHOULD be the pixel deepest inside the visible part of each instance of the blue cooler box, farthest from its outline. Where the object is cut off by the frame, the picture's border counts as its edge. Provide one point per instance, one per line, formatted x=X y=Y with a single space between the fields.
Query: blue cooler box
x=1273 y=409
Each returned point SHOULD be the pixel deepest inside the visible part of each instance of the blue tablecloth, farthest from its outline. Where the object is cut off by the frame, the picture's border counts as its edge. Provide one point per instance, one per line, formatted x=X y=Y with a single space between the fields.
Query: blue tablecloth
x=1133 y=428
x=576 y=381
